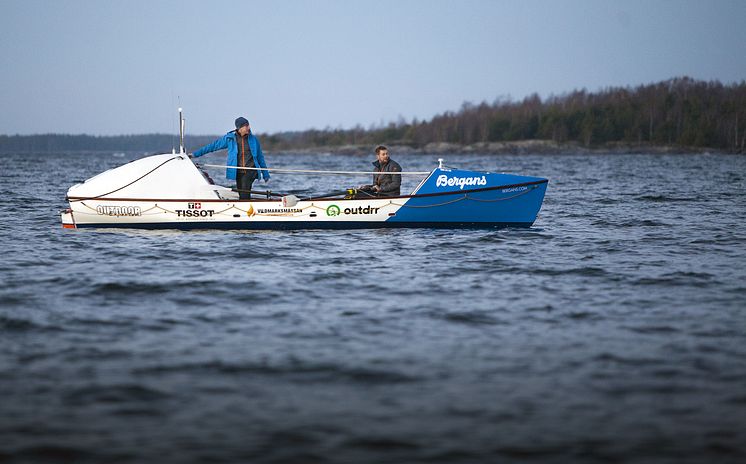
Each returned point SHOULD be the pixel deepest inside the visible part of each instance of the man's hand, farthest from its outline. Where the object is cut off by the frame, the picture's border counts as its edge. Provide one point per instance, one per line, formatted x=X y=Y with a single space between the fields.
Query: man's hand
x=376 y=188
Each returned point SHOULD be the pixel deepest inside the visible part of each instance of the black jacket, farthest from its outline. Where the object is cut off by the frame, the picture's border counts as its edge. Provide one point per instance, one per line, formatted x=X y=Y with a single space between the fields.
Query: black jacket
x=390 y=185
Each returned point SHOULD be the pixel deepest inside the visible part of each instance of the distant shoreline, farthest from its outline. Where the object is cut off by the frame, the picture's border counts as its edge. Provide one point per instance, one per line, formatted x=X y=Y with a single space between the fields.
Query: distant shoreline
x=522 y=147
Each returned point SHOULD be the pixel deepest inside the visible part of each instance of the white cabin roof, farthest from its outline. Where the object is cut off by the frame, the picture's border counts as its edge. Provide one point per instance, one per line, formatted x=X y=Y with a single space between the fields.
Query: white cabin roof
x=166 y=176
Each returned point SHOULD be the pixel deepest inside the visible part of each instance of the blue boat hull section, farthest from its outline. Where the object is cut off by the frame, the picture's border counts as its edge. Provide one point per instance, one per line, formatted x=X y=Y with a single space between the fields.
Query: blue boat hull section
x=485 y=198
x=458 y=180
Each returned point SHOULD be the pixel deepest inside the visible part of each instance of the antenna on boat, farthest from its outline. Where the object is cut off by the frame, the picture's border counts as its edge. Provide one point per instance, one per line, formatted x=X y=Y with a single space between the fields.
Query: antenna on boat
x=440 y=163
x=181 y=132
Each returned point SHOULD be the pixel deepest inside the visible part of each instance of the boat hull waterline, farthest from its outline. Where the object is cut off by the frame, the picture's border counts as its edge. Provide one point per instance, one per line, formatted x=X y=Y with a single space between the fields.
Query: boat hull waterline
x=446 y=198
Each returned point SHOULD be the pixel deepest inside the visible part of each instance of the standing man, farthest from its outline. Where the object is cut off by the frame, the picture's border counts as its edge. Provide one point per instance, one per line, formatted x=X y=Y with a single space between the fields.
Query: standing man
x=245 y=151
x=384 y=185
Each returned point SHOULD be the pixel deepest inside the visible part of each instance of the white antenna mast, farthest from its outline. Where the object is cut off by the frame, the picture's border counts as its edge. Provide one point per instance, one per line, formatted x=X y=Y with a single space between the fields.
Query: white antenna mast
x=181 y=133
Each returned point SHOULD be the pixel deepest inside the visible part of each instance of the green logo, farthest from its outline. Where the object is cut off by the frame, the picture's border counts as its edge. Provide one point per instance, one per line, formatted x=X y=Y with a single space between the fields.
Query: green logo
x=333 y=210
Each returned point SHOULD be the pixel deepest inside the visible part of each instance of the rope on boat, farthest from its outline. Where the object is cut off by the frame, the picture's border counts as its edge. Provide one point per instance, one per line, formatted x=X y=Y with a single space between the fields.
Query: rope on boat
x=82 y=202
x=124 y=186
x=532 y=187
x=312 y=205
x=402 y=205
x=308 y=171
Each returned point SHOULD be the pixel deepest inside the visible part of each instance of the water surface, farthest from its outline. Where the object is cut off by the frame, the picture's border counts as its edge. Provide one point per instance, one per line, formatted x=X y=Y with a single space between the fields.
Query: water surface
x=611 y=331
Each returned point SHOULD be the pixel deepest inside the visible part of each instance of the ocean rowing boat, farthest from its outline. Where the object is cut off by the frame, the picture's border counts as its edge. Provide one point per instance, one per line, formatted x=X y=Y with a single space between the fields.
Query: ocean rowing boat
x=169 y=191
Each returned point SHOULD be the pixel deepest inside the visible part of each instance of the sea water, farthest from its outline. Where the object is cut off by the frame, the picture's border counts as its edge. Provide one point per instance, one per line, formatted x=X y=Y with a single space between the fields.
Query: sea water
x=613 y=330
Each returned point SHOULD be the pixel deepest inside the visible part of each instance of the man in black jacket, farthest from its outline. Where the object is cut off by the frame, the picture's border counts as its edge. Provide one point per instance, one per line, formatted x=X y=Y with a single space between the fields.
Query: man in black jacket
x=384 y=185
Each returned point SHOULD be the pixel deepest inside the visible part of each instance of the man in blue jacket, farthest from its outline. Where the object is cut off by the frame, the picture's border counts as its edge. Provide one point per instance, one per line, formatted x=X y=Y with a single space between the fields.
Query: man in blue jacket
x=245 y=151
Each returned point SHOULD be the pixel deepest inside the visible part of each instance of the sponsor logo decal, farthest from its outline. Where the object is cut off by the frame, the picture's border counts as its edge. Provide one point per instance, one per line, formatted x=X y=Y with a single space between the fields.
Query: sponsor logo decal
x=194 y=213
x=445 y=181
x=334 y=210
x=283 y=211
x=272 y=211
x=195 y=210
x=119 y=210
x=515 y=189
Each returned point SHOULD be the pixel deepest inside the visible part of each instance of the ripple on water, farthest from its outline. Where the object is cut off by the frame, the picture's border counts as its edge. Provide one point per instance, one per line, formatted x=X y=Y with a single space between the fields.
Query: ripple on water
x=107 y=394
x=293 y=369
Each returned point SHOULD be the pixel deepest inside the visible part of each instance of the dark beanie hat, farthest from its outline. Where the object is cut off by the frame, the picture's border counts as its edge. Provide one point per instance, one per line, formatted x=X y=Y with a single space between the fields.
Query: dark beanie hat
x=240 y=122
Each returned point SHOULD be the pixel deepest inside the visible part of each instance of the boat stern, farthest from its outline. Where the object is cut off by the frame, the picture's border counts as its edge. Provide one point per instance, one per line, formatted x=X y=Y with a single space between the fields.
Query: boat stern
x=68 y=222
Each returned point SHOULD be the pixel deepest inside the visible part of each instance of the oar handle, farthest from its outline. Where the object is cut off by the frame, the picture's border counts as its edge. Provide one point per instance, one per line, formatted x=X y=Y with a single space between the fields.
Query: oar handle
x=268 y=193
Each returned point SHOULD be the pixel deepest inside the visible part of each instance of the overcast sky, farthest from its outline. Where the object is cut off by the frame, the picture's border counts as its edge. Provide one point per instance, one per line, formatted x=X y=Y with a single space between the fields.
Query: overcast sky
x=122 y=67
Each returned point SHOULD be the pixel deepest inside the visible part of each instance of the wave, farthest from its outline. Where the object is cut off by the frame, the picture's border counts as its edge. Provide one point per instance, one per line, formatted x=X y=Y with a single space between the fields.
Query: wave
x=122 y=393
x=666 y=199
x=678 y=279
x=470 y=318
x=308 y=372
x=21 y=324
x=53 y=453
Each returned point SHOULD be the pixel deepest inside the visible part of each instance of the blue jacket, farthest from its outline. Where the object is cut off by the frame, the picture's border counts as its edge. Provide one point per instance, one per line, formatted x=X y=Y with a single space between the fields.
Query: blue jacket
x=229 y=141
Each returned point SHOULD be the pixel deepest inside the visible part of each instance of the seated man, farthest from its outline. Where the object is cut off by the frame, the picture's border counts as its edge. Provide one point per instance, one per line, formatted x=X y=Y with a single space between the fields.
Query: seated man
x=384 y=185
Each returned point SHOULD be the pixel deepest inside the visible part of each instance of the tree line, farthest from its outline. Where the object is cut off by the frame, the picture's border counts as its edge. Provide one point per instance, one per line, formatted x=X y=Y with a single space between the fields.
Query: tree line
x=680 y=112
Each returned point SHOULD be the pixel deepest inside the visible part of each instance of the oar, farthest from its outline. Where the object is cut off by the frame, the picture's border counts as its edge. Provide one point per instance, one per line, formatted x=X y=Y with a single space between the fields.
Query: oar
x=266 y=193
x=333 y=194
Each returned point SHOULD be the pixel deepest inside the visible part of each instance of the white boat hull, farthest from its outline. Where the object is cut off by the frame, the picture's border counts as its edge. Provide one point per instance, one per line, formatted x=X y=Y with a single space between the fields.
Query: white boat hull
x=238 y=214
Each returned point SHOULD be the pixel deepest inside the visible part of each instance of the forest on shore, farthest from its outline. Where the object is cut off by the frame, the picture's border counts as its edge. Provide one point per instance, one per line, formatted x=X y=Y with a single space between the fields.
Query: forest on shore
x=680 y=114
